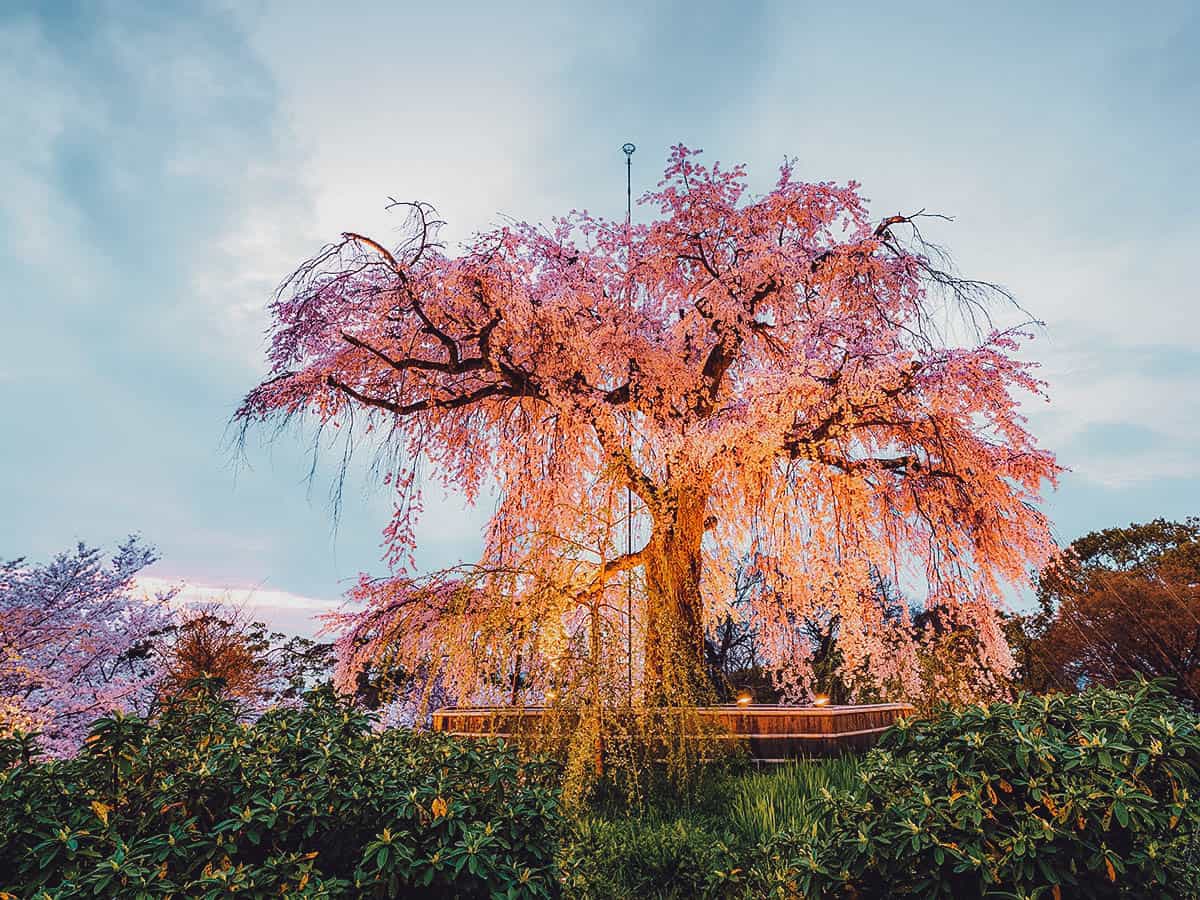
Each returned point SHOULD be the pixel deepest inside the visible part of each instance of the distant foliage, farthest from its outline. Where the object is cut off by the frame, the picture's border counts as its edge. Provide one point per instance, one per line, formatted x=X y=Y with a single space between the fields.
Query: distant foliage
x=76 y=641
x=79 y=640
x=948 y=663
x=304 y=801
x=1085 y=795
x=1117 y=604
x=257 y=667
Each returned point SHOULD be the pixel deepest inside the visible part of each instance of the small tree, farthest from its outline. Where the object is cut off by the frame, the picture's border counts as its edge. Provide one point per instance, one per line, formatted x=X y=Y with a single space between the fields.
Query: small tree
x=731 y=652
x=766 y=375
x=76 y=641
x=219 y=643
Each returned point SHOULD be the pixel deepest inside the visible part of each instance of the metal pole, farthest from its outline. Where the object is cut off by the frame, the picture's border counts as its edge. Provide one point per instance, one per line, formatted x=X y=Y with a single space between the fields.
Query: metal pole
x=628 y=149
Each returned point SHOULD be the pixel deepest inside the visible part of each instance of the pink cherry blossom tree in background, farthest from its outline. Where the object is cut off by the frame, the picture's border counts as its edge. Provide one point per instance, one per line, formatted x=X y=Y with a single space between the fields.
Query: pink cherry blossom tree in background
x=777 y=378
x=76 y=641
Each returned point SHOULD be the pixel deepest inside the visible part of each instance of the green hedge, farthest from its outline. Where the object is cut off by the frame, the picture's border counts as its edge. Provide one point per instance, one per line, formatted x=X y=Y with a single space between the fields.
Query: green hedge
x=1085 y=795
x=310 y=802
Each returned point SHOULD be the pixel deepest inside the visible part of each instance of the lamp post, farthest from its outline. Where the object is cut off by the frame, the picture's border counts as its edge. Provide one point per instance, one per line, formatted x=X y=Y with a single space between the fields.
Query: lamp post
x=628 y=149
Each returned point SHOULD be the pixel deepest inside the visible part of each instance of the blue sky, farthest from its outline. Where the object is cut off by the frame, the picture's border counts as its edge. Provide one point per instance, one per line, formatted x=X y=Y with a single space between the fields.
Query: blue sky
x=163 y=167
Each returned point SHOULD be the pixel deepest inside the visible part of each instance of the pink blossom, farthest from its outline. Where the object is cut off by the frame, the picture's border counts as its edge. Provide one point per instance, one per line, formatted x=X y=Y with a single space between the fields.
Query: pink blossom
x=765 y=375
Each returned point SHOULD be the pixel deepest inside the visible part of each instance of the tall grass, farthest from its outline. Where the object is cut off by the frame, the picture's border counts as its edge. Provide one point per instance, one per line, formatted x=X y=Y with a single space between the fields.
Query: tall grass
x=783 y=799
x=669 y=850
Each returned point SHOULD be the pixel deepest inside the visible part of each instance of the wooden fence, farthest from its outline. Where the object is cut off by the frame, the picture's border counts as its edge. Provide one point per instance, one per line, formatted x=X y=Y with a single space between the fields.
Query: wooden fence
x=772 y=733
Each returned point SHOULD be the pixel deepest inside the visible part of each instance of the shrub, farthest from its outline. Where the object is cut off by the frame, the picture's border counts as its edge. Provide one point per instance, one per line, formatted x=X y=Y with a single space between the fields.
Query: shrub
x=308 y=801
x=1085 y=795
x=648 y=858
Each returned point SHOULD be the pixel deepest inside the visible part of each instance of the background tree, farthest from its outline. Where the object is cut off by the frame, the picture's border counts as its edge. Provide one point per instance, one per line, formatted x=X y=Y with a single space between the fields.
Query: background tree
x=76 y=641
x=1115 y=604
x=261 y=668
x=947 y=660
x=735 y=662
x=731 y=646
x=771 y=375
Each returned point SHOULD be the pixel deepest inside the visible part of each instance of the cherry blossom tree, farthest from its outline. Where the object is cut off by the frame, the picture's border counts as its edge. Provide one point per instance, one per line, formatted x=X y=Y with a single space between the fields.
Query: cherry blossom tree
x=779 y=376
x=76 y=641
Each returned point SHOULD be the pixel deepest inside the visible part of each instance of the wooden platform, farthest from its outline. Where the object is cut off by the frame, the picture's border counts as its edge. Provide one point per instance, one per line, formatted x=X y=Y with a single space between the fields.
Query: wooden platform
x=772 y=733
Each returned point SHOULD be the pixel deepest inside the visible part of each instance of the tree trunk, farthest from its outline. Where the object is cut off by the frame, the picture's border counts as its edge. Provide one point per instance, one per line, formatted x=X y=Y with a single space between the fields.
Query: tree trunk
x=674 y=649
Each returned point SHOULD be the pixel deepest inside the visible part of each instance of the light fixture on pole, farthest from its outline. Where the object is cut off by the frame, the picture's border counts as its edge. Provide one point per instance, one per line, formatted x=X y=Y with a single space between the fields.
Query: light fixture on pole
x=628 y=148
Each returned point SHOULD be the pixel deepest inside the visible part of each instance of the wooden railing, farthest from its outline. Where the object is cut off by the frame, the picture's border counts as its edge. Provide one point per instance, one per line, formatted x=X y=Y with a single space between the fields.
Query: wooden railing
x=771 y=733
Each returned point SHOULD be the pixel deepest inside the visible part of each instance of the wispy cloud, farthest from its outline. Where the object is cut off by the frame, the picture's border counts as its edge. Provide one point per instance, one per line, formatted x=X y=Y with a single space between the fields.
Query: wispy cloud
x=165 y=168
x=283 y=610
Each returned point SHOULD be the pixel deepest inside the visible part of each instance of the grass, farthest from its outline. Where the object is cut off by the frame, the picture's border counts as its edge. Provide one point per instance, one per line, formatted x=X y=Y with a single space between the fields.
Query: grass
x=766 y=803
x=671 y=850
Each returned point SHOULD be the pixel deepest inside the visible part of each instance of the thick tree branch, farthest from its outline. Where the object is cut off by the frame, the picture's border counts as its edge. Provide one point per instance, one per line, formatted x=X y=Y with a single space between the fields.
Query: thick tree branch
x=637 y=480
x=429 y=365
x=406 y=409
x=907 y=464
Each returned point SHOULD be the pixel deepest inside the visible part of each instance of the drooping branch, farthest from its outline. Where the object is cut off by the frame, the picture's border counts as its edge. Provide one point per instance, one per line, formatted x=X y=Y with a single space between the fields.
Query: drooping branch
x=452 y=366
x=722 y=362
x=379 y=249
x=407 y=409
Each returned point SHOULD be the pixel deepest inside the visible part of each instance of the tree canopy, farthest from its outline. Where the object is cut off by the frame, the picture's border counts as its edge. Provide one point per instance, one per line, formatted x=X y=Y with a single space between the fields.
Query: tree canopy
x=779 y=376
x=76 y=641
x=1115 y=604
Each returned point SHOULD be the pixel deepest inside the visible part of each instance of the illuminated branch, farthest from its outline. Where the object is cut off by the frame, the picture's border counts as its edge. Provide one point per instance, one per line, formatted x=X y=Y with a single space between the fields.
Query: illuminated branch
x=491 y=390
x=720 y=362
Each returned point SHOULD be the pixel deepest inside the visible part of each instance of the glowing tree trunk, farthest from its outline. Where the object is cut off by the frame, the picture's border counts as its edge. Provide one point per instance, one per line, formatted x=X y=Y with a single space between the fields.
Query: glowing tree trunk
x=674 y=642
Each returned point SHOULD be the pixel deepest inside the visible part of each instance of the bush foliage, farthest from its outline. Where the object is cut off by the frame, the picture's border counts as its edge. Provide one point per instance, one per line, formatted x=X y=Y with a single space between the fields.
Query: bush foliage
x=306 y=801
x=1086 y=795
x=686 y=857
x=1066 y=796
